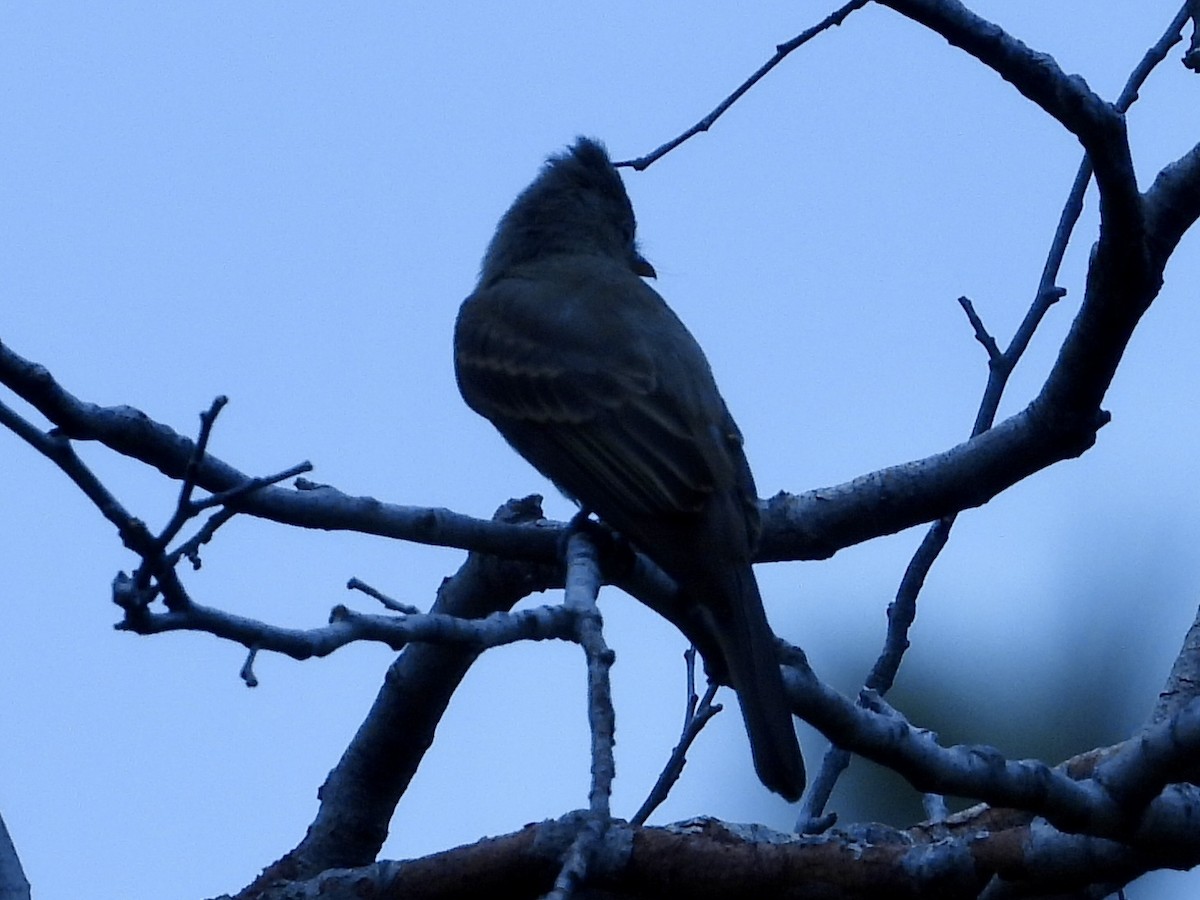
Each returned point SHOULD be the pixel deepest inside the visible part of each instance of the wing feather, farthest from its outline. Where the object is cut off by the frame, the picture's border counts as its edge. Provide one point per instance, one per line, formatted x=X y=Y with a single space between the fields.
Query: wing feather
x=575 y=388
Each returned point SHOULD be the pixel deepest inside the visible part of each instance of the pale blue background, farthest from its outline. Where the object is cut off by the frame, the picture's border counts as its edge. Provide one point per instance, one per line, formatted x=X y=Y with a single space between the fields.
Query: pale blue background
x=286 y=203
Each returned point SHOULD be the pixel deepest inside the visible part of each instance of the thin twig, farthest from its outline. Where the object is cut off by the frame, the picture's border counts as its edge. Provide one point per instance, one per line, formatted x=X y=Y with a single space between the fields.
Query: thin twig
x=158 y=565
x=224 y=498
x=131 y=594
x=190 y=549
x=1191 y=59
x=247 y=673
x=582 y=587
x=208 y=419
x=781 y=51
x=355 y=584
x=1157 y=53
x=57 y=448
x=698 y=713
x=981 y=333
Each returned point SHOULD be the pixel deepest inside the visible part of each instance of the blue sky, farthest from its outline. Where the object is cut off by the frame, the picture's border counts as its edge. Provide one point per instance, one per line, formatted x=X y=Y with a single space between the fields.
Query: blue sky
x=286 y=203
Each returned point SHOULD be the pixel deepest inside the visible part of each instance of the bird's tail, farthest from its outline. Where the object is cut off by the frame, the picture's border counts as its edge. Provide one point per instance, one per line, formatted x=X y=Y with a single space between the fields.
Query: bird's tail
x=733 y=612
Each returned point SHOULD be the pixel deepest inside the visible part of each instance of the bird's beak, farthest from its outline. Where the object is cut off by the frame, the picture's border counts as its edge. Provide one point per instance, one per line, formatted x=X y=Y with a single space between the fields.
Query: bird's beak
x=643 y=268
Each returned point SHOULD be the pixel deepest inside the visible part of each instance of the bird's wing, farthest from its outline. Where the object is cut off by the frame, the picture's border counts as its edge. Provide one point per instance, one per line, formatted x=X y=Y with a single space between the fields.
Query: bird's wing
x=583 y=380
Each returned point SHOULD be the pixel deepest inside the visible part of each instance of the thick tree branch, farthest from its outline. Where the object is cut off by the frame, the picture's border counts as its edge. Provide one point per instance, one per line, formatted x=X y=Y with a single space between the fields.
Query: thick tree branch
x=1173 y=204
x=1183 y=684
x=13 y=883
x=813 y=525
x=1107 y=805
x=817 y=524
x=706 y=858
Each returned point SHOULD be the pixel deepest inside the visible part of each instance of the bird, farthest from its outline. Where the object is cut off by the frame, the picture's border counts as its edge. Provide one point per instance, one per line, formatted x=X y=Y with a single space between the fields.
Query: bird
x=590 y=376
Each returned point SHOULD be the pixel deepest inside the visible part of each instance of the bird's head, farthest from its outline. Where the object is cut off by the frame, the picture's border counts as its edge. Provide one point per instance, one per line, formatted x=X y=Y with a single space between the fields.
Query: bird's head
x=576 y=205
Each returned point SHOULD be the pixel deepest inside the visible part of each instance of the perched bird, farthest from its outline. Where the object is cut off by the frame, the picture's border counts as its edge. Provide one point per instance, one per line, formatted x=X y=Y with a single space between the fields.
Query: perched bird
x=591 y=377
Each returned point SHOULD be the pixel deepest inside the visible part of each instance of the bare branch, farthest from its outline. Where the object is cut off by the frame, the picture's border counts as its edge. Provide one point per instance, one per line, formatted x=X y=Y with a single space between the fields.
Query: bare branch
x=834 y=18
x=1183 y=684
x=1108 y=806
x=981 y=333
x=394 y=605
x=1141 y=768
x=347 y=627
x=247 y=672
x=359 y=797
x=902 y=610
x=901 y=613
x=1067 y=98
x=677 y=861
x=1192 y=58
x=58 y=450
x=699 y=712
x=13 y=883
x=1156 y=54
x=1173 y=204
x=582 y=587
x=183 y=508
x=816 y=524
x=190 y=549
x=813 y=525
x=132 y=433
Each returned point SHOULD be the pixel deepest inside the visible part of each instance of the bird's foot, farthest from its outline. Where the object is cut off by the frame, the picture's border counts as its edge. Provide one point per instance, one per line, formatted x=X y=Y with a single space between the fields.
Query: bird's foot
x=616 y=554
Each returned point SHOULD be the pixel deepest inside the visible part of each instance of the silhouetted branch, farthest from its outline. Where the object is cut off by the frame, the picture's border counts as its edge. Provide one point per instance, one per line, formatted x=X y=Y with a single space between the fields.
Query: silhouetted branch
x=781 y=52
x=699 y=710
x=13 y=883
x=582 y=587
x=953 y=860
